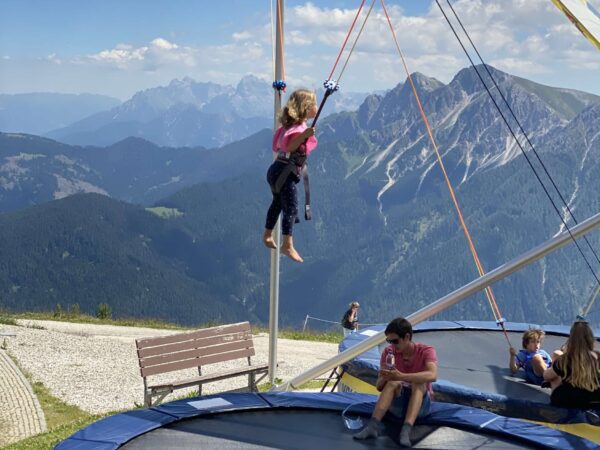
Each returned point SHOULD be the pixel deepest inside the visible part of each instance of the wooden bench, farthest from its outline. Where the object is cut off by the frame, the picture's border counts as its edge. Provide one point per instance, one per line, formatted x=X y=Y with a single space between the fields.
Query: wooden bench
x=197 y=349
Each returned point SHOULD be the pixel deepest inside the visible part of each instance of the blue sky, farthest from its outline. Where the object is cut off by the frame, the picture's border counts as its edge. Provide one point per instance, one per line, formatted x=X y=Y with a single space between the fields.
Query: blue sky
x=119 y=47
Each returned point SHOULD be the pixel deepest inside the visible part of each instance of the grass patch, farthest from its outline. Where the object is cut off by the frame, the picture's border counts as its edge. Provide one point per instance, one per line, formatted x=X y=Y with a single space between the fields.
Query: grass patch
x=334 y=337
x=313 y=384
x=165 y=213
x=85 y=318
x=11 y=319
x=57 y=412
x=46 y=441
x=7 y=320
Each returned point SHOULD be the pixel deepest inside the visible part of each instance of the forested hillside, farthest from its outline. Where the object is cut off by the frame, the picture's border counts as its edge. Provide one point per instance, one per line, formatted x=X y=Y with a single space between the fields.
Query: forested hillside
x=89 y=249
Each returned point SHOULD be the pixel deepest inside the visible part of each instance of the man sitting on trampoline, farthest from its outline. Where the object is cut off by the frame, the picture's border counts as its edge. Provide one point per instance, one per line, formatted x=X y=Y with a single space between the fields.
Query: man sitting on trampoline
x=407 y=370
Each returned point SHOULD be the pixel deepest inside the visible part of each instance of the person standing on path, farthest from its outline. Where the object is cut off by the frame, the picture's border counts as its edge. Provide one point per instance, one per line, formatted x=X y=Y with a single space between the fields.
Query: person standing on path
x=350 y=319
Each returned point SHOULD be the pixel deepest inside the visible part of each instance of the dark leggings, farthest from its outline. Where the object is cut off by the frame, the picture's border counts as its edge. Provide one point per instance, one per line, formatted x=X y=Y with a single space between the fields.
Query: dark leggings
x=286 y=201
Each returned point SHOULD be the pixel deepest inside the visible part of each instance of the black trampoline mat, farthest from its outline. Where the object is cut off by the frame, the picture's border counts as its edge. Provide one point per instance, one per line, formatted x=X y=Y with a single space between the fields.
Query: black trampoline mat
x=479 y=359
x=292 y=428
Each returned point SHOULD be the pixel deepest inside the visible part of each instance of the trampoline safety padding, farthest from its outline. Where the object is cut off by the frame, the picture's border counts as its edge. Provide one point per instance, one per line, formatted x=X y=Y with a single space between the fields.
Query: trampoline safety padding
x=298 y=420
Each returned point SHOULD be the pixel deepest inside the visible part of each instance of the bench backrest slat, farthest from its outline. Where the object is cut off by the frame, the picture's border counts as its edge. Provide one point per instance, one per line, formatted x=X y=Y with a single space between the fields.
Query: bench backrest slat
x=189 y=363
x=222 y=349
x=188 y=344
x=199 y=334
x=194 y=349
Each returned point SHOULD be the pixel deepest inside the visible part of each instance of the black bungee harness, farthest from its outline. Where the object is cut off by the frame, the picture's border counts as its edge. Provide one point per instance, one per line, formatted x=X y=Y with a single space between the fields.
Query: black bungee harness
x=296 y=161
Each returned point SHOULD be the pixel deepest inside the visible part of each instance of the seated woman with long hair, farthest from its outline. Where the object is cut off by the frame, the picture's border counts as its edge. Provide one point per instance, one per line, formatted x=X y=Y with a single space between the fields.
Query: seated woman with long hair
x=575 y=375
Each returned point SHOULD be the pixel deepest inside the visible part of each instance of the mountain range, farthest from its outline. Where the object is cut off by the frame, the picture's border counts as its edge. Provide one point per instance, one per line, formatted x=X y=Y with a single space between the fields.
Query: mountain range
x=36 y=170
x=188 y=113
x=384 y=230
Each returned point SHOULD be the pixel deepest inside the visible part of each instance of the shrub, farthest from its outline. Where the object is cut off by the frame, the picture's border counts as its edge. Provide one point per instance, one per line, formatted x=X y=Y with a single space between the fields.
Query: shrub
x=104 y=312
x=58 y=312
x=74 y=310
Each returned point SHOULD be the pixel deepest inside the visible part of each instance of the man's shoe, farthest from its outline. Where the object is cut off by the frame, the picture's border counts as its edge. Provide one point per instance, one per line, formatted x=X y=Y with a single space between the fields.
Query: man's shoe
x=404 y=436
x=370 y=431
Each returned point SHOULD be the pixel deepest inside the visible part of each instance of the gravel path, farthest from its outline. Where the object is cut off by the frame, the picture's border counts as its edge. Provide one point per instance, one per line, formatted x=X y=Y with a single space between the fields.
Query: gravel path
x=20 y=413
x=95 y=366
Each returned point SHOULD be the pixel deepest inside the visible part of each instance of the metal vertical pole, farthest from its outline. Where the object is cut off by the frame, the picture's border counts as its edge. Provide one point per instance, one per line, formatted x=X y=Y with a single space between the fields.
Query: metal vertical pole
x=274 y=284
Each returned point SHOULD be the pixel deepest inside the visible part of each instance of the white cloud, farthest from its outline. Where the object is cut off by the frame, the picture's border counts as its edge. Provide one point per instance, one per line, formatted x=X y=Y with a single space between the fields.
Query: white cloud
x=520 y=66
x=53 y=59
x=120 y=55
x=157 y=54
x=163 y=44
x=242 y=36
x=296 y=37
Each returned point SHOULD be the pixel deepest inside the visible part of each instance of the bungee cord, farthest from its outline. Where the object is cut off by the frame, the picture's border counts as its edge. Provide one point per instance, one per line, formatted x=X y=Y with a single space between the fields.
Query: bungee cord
x=355 y=41
x=331 y=85
x=346 y=40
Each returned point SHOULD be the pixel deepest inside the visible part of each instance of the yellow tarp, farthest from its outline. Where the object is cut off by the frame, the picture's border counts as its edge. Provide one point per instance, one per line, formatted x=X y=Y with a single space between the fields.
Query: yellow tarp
x=583 y=16
x=584 y=430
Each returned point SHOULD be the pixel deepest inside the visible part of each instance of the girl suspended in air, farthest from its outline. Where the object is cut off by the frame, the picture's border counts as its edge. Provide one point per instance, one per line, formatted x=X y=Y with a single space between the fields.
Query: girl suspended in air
x=293 y=141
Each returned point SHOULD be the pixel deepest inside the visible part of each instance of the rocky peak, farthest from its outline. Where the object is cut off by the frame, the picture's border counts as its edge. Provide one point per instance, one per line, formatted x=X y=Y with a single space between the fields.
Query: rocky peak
x=368 y=108
x=424 y=83
x=468 y=80
x=252 y=85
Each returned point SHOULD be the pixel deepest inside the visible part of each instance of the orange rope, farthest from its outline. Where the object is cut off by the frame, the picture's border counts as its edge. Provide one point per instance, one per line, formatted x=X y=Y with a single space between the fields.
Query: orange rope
x=480 y=269
x=346 y=40
x=356 y=41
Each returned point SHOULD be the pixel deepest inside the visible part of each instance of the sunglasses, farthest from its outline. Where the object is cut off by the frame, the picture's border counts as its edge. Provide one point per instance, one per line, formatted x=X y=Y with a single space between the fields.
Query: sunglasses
x=392 y=341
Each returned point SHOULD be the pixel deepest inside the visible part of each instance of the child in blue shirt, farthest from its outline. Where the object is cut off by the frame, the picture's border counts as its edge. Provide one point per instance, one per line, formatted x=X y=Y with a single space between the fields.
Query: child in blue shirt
x=531 y=358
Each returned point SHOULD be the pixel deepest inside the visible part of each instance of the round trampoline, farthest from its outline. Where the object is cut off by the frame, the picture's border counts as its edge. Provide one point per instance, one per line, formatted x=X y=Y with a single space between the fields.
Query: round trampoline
x=305 y=420
x=473 y=371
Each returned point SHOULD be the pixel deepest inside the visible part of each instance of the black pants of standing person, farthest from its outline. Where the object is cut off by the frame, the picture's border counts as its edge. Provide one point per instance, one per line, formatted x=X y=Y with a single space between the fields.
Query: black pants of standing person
x=285 y=202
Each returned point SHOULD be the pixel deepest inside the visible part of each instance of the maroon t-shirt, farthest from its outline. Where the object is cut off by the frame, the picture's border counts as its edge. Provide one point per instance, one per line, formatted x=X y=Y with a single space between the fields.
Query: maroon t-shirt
x=423 y=354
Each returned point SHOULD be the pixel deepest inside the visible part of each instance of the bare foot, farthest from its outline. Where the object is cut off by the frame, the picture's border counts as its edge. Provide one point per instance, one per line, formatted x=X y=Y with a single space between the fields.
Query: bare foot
x=292 y=254
x=269 y=241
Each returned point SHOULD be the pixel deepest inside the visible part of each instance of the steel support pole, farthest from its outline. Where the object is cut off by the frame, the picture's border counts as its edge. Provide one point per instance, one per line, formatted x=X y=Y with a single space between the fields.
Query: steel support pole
x=274 y=282
x=449 y=300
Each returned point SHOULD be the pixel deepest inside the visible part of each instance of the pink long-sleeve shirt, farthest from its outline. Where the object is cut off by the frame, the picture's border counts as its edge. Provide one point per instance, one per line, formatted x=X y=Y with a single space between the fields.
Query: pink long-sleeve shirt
x=282 y=137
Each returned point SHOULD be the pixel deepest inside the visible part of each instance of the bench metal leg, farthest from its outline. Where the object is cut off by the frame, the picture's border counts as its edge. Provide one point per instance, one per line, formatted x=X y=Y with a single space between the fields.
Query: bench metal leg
x=200 y=384
x=147 y=395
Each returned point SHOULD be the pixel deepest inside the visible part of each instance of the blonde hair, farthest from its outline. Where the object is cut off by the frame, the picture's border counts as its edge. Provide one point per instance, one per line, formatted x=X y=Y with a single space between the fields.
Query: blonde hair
x=533 y=333
x=354 y=304
x=577 y=361
x=297 y=107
